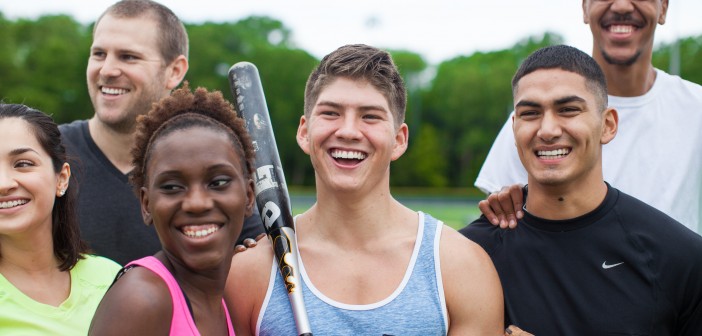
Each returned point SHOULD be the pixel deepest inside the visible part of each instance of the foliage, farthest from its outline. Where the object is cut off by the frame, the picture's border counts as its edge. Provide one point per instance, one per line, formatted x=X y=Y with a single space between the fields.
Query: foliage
x=454 y=110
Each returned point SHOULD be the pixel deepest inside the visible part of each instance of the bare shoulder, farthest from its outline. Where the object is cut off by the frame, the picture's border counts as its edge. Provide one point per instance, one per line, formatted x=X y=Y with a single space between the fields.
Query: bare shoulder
x=247 y=284
x=458 y=250
x=254 y=264
x=139 y=303
x=471 y=286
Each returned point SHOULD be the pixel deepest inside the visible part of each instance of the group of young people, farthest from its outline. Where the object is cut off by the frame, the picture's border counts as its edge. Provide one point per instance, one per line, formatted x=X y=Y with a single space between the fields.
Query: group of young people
x=584 y=258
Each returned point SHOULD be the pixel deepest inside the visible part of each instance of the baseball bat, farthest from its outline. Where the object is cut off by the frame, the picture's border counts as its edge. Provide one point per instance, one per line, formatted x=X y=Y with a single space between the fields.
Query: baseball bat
x=271 y=191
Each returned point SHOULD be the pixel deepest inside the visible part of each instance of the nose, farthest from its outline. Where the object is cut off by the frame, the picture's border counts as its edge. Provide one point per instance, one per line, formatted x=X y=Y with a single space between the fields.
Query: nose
x=110 y=67
x=550 y=128
x=349 y=128
x=622 y=6
x=7 y=182
x=197 y=200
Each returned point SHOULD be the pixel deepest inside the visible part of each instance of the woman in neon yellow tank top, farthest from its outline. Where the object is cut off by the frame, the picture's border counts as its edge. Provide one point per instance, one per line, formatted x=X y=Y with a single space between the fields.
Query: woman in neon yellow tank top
x=48 y=284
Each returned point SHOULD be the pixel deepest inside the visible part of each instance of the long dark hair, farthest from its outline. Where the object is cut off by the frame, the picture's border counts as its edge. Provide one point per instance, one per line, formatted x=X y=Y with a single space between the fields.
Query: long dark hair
x=68 y=246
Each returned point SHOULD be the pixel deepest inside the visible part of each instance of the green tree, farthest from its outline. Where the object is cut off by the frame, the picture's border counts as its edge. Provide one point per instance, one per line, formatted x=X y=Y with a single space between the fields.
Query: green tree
x=469 y=101
x=48 y=58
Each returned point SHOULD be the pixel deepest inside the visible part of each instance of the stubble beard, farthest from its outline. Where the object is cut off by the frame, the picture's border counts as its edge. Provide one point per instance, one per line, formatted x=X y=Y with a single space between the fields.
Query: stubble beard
x=625 y=62
x=126 y=124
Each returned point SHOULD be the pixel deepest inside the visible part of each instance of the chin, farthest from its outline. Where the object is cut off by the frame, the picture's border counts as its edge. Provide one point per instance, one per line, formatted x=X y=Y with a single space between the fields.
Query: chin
x=621 y=60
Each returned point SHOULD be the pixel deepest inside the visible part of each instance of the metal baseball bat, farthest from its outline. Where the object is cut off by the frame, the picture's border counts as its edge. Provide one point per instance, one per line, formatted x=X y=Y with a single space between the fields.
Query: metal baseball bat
x=271 y=191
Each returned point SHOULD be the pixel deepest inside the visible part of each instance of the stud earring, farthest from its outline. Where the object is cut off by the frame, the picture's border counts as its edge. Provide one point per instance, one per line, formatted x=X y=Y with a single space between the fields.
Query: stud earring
x=62 y=192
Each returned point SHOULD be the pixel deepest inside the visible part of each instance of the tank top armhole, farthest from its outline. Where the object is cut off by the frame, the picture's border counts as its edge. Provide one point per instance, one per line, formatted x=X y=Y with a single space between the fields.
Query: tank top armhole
x=269 y=292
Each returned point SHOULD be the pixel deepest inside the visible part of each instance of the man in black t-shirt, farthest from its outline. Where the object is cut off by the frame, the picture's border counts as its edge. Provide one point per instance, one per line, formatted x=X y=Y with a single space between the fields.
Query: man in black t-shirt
x=139 y=54
x=586 y=259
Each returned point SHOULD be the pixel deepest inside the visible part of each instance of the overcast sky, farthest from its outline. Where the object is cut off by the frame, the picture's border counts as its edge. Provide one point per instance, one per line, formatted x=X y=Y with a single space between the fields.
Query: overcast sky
x=436 y=29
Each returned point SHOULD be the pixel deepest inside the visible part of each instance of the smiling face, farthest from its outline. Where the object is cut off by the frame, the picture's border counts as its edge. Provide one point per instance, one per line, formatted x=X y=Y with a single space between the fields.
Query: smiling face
x=623 y=30
x=197 y=195
x=559 y=129
x=28 y=183
x=126 y=72
x=351 y=136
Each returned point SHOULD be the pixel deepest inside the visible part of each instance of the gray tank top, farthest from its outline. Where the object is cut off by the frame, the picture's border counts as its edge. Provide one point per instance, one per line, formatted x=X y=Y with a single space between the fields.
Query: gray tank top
x=416 y=307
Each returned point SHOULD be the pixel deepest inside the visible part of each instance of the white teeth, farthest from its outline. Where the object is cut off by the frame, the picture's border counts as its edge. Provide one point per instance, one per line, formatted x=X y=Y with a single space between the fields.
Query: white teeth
x=190 y=231
x=340 y=154
x=621 y=29
x=556 y=153
x=12 y=204
x=113 y=91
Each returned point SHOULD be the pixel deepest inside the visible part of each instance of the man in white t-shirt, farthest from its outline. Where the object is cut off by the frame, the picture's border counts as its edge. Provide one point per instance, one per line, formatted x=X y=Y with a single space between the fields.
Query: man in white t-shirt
x=657 y=155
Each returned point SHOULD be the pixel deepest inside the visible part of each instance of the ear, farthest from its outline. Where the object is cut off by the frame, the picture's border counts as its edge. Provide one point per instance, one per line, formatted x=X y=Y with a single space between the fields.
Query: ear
x=586 y=18
x=250 y=198
x=401 y=141
x=62 y=179
x=145 y=214
x=610 y=125
x=302 y=137
x=176 y=72
x=664 y=12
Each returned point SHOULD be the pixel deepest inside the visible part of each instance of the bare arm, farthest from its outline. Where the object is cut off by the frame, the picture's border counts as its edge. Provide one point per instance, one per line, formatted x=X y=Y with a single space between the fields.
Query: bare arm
x=472 y=288
x=503 y=208
x=139 y=303
x=246 y=286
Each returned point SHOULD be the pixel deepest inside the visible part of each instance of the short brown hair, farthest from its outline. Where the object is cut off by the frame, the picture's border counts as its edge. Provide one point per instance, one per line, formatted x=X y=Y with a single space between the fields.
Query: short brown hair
x=184 y=109
x=173 y=39
x=359 y=62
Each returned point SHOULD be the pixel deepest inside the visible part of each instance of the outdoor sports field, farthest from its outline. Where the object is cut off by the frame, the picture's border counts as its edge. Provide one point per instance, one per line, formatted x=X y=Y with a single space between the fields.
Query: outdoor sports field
x=455 y=211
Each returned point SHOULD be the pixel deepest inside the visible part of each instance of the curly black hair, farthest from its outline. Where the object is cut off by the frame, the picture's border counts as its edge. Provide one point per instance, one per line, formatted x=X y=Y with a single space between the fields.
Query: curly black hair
x=184 y=109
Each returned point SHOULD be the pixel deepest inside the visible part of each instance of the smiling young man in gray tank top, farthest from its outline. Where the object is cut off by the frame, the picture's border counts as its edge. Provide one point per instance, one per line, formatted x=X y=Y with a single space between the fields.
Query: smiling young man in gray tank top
x=370 y=266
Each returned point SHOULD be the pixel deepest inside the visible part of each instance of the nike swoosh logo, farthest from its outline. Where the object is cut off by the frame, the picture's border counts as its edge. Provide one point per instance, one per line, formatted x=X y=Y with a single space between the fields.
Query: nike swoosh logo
x=605 y=266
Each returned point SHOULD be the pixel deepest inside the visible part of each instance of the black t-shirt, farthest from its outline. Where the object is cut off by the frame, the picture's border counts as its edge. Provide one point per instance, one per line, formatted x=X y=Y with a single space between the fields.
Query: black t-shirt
x=108 y=210
x=623 y=269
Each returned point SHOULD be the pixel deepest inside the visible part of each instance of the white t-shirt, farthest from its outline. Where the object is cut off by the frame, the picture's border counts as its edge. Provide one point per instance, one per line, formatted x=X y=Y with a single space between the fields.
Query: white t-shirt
x=655 y=157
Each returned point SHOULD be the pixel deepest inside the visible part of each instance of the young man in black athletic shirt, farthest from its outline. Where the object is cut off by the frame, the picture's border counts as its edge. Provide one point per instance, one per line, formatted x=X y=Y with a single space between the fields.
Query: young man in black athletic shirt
x=586 y=259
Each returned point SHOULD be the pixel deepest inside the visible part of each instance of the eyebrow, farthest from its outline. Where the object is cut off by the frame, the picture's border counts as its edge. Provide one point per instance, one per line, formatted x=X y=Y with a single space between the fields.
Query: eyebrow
x=559 y=101
x=22 y=150
x=528 y=103
x=362 y=107
x=569 y=99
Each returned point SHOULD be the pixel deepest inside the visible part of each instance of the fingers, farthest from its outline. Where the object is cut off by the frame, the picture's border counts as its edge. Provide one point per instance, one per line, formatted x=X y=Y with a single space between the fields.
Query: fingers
x=239 y=248
x=517 y=198
x=487 y=210
x=504 y=208
x=250 y=242
x=513 y=330
x=504 y=197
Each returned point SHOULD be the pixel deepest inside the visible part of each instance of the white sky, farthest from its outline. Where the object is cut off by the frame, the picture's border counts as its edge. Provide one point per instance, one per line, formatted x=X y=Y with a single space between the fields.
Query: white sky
x=436 y=29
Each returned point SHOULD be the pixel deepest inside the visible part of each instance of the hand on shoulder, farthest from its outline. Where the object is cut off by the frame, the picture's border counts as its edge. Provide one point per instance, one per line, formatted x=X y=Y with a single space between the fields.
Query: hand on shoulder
x=247 y=284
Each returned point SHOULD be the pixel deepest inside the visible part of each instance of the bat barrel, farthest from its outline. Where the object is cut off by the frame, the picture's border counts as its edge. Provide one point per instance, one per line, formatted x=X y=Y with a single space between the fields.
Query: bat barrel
x=272 y=196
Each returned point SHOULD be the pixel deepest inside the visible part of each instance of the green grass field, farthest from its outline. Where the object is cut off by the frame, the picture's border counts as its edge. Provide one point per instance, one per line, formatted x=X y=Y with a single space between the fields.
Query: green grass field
x=455 y=211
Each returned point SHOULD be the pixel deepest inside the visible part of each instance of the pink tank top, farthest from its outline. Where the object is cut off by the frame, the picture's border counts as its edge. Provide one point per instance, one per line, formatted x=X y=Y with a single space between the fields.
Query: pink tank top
x=182 y=323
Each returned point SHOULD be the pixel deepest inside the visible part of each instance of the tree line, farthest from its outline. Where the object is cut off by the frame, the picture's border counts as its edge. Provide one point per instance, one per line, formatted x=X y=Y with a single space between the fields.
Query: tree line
x=455 y=109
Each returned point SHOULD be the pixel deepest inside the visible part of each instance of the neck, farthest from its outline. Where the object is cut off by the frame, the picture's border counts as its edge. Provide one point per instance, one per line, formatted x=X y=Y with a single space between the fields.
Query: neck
x=560 y=202
x=352 y=220
x=28 y=257
x=628 y=80
x=200 y=285
x=115 y=145
x=31 y=253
